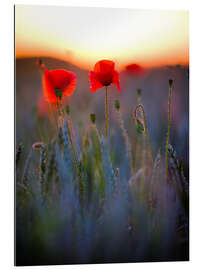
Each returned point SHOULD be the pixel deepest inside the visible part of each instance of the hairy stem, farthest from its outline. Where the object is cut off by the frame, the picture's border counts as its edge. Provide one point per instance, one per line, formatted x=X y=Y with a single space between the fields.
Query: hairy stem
x=106 y=112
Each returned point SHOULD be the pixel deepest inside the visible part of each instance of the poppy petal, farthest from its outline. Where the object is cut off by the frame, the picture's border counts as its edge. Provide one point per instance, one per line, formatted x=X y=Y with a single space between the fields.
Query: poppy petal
x=135 y=69
x=68 y=90
x=116 y=81
x=104 y=71
x=48 y=88
x=61 y=79
x=104 y=67
x=94 y=83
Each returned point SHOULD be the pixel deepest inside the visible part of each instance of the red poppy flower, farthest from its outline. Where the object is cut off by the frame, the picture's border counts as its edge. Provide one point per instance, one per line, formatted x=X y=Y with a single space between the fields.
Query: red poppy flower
x=135 y=69
x=104 y=74
x=59 y=79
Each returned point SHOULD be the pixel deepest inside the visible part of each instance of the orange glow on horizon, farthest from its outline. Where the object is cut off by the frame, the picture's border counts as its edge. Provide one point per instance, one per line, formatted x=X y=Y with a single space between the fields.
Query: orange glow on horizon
x=82 y=36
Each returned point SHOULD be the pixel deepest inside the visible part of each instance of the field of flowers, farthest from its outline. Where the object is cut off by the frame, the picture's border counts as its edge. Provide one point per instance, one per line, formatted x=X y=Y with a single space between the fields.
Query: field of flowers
x=98 y=191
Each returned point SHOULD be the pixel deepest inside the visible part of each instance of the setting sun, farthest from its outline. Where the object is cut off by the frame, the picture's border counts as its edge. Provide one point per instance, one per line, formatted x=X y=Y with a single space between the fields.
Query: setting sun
x=85 y=35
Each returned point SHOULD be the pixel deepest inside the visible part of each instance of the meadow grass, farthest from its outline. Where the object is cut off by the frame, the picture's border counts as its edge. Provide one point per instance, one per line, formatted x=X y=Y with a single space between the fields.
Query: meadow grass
x=78 y=203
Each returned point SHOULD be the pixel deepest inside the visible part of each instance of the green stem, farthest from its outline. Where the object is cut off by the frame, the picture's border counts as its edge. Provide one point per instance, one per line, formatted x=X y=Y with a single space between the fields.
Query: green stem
x=61 y=106
x=169 y=126
x=58 y=108
x=106 y=112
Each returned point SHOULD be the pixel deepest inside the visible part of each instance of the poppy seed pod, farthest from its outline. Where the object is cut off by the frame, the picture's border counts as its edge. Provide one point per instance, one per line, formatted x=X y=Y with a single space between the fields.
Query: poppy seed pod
x=93 y=118
x=68 y=109
x=139 y=91
x=117 y=105
x=170 y=82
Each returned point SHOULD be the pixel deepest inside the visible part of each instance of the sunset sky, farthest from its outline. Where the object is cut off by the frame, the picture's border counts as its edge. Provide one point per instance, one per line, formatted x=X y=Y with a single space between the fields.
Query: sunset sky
x=83 y=36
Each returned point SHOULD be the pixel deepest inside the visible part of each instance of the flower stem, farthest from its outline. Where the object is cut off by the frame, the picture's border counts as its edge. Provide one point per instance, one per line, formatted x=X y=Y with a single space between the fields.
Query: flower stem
x=58 y=108
x=106 y=112
x=169 y=124
x=61 y=107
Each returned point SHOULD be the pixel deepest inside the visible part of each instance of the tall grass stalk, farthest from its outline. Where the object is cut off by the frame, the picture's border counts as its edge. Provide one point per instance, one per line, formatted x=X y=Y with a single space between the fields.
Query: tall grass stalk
x=73 y=151
x=42 y=166
x=19 y=153
x=26 y=168
x=52 y=116
x=125 y=135
x=117 y=173
x=67 y=130
x=49 y=168
x=109 y=174
x=169 y=124
x=97 y=148
x=149 y=153
x=94 y=127
x=138 y=137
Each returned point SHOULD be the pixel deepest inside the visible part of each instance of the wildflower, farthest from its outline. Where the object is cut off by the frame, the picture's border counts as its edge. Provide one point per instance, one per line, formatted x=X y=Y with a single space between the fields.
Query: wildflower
x=104 y=74
x=134 y=69
x=58 y=83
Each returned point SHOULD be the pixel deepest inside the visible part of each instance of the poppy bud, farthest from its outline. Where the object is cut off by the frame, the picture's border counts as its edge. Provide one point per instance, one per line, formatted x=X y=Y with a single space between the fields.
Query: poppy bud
x=139 y=91
x=139 y=125
x=170 y=82
x=68 y=110
x=58 y=93
x=93 y=118
x=117 y=105
x=40 y=63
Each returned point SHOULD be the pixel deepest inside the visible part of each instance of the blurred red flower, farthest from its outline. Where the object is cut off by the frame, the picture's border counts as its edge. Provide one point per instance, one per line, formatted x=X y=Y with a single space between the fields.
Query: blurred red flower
x=59 y=79
x=104 y=74
x=135 y=69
